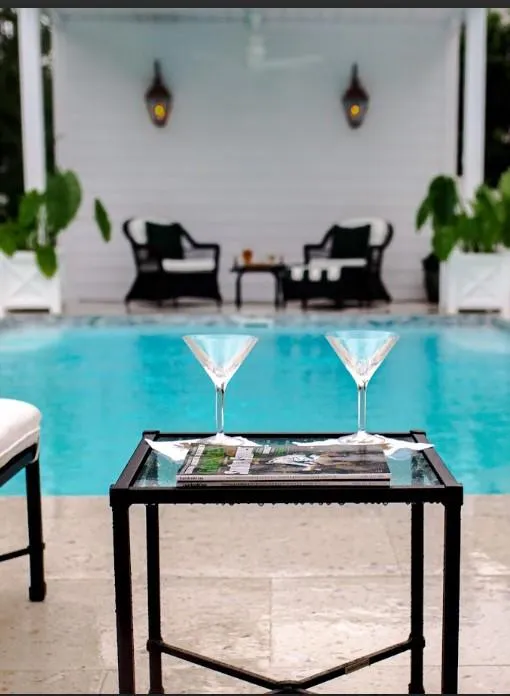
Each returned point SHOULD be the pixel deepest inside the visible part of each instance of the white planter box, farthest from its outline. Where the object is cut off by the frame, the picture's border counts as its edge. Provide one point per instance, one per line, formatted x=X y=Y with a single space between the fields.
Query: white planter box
x=475 y=282
x=23 y=287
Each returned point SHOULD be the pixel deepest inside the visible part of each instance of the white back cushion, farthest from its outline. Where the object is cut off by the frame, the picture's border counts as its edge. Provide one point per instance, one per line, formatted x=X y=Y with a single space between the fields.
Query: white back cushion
x=378 y=228
x=138 y=231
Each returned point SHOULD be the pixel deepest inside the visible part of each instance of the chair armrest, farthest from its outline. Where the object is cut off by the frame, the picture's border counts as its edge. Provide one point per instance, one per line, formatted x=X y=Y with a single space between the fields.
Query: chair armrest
x=314 y=251
x=374 y=258
x=196 y=249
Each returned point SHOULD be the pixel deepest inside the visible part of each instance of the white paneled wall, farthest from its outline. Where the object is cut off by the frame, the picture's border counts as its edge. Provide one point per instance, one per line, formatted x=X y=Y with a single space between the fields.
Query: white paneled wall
x=261 y=160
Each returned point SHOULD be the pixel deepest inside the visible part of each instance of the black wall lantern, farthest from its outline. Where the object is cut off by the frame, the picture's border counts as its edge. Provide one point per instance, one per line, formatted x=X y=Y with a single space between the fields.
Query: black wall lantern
x=158 y=99
x=355 y=100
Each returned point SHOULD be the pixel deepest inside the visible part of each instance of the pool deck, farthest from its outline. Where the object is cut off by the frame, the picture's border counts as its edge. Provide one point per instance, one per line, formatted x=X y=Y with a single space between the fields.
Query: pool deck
x=193 y=308
x=284 y=590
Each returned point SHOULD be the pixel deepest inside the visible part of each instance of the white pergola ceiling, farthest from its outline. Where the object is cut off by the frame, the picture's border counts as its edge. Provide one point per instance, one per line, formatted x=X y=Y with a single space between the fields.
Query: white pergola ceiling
x=225 y=14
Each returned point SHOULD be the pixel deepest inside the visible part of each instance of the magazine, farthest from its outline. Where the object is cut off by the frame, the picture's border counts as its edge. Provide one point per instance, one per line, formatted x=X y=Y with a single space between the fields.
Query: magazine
x=240 y=463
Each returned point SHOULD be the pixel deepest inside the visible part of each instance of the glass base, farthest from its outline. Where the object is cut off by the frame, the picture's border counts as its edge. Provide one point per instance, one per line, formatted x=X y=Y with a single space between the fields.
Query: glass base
x=362 y=438
x=223 y=440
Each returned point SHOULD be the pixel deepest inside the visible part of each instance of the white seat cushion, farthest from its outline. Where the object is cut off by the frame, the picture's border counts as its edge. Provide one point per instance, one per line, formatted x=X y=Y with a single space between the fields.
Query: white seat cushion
x=20 y=425
x=188 y=265
x=332 y=268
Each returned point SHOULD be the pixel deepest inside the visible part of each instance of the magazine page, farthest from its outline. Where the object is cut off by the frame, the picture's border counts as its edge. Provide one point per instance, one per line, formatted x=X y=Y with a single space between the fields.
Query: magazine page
x=279 y=461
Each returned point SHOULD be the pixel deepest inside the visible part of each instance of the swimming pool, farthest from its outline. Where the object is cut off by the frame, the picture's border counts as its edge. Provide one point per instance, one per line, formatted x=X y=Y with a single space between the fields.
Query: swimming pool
x=99 y=382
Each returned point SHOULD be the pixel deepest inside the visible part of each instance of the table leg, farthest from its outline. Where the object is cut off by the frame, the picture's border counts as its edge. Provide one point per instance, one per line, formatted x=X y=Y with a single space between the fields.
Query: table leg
x=451 y=599
x=154 y=598
x=304 y=290
x=417 y=573
x=277 y=290
x=238 y=291
x=37 y=590
x=123 y=599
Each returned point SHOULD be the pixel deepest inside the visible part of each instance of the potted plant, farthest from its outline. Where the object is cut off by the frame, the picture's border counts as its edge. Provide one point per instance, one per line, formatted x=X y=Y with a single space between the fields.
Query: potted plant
x=29 y=264
x=470 y=241
x=430 y=266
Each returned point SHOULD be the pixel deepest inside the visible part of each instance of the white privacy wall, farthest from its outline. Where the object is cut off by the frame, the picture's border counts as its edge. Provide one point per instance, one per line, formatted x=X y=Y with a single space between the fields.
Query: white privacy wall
x=261 y=160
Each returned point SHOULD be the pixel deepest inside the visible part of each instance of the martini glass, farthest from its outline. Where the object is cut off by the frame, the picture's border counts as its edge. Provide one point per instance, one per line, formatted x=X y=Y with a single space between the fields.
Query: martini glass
x=221 y=355
x=362 y=352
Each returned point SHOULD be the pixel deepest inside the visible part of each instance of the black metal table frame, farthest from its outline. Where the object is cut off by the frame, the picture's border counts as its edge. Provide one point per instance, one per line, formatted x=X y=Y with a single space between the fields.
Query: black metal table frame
x=275 y=270
x=448 y=492
x=29 y=460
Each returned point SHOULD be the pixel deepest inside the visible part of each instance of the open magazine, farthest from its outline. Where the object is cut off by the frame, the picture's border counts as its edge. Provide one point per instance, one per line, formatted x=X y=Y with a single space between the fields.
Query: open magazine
x=211 y=463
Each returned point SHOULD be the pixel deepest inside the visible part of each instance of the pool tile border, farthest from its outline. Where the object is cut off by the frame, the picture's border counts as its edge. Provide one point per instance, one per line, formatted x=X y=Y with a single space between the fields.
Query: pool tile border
x=236 y=321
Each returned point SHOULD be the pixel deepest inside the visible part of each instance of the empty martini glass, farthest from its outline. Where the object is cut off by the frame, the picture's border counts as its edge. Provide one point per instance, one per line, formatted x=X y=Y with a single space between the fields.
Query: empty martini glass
x=221 y=355
x=362 y=352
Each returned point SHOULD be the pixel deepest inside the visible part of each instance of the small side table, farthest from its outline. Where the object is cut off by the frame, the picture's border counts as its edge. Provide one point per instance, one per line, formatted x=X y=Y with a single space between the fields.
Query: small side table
x=423 y=479
x=276 y=269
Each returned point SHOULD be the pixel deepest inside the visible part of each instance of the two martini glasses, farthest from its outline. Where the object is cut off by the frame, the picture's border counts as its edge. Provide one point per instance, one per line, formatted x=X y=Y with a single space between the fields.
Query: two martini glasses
x=361 y=352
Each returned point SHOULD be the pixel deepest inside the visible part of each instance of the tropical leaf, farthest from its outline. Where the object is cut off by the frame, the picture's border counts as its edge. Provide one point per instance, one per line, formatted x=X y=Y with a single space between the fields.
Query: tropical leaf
x=46 y=257
x=443 y=200
x=9 y=237
x=102 y=220
x=504 y=185
x=73 y=193
x=63 y=199
x=423 y=213
x=29 y=209
x=444 y=243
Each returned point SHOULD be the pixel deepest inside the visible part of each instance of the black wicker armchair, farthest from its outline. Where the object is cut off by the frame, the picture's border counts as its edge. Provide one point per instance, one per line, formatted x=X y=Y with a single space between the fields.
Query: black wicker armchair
x=170 y=264
x=344 y=267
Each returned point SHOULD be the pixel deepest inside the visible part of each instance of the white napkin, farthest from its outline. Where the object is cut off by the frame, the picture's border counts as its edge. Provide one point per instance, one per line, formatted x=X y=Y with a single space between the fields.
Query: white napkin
x=176 y=450
x=390 y=446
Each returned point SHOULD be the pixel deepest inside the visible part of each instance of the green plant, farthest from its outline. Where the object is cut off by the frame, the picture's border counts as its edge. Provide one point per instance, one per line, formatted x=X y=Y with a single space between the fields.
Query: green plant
x=43 y=216
x=480 y=226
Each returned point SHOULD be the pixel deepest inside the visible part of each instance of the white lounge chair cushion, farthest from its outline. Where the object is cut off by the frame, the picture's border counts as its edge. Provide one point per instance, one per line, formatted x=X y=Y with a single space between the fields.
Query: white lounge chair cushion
x=20 y=425
x=138 y=228
x=332 y=268
x=188 y=265
x=378 y=228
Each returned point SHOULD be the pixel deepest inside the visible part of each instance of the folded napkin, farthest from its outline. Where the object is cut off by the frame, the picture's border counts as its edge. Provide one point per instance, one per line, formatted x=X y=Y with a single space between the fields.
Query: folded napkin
x=176 y=450
x=390 y=446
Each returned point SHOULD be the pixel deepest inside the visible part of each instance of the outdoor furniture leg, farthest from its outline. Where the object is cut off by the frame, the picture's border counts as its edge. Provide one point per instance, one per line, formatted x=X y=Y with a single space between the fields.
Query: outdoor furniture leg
x=37 y=589
x=154 y=599
x=123 y=599
x=238 y=291
x=417 y=573
x=277 y=290
x=451 y=599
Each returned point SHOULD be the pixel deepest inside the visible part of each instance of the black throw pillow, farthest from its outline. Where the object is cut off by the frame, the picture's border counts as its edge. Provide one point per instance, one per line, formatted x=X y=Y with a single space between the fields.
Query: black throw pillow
x=350 y=242
x=165 y=240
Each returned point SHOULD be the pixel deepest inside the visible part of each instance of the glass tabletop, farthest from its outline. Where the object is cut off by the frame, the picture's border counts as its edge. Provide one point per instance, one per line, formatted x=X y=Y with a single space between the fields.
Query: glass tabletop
x=408 y=468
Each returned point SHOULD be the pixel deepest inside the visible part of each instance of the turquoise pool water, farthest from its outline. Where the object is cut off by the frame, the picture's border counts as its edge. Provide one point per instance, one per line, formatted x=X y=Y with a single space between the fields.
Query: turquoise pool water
x=99 y=383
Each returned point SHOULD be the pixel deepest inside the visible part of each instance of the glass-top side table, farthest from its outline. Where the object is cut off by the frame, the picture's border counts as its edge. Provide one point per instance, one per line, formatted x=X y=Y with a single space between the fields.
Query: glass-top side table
x=412 y=469
x=150 y=479
x=275 y=269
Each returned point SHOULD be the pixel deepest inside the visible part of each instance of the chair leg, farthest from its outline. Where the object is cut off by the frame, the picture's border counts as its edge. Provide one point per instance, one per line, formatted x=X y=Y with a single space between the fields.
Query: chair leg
x=37 y=589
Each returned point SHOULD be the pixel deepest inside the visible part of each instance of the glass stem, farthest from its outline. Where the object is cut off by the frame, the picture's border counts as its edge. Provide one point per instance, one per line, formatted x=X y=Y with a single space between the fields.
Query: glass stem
x=362 y=408
x=220 y=407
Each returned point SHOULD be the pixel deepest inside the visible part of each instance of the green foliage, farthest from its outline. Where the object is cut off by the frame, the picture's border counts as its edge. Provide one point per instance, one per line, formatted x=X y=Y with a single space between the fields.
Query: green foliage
x=43 y=216
x=11 y=158
x=497 y=112
x=497 y=106
x=481 y=226
x=102 y=220
x=46 y=260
